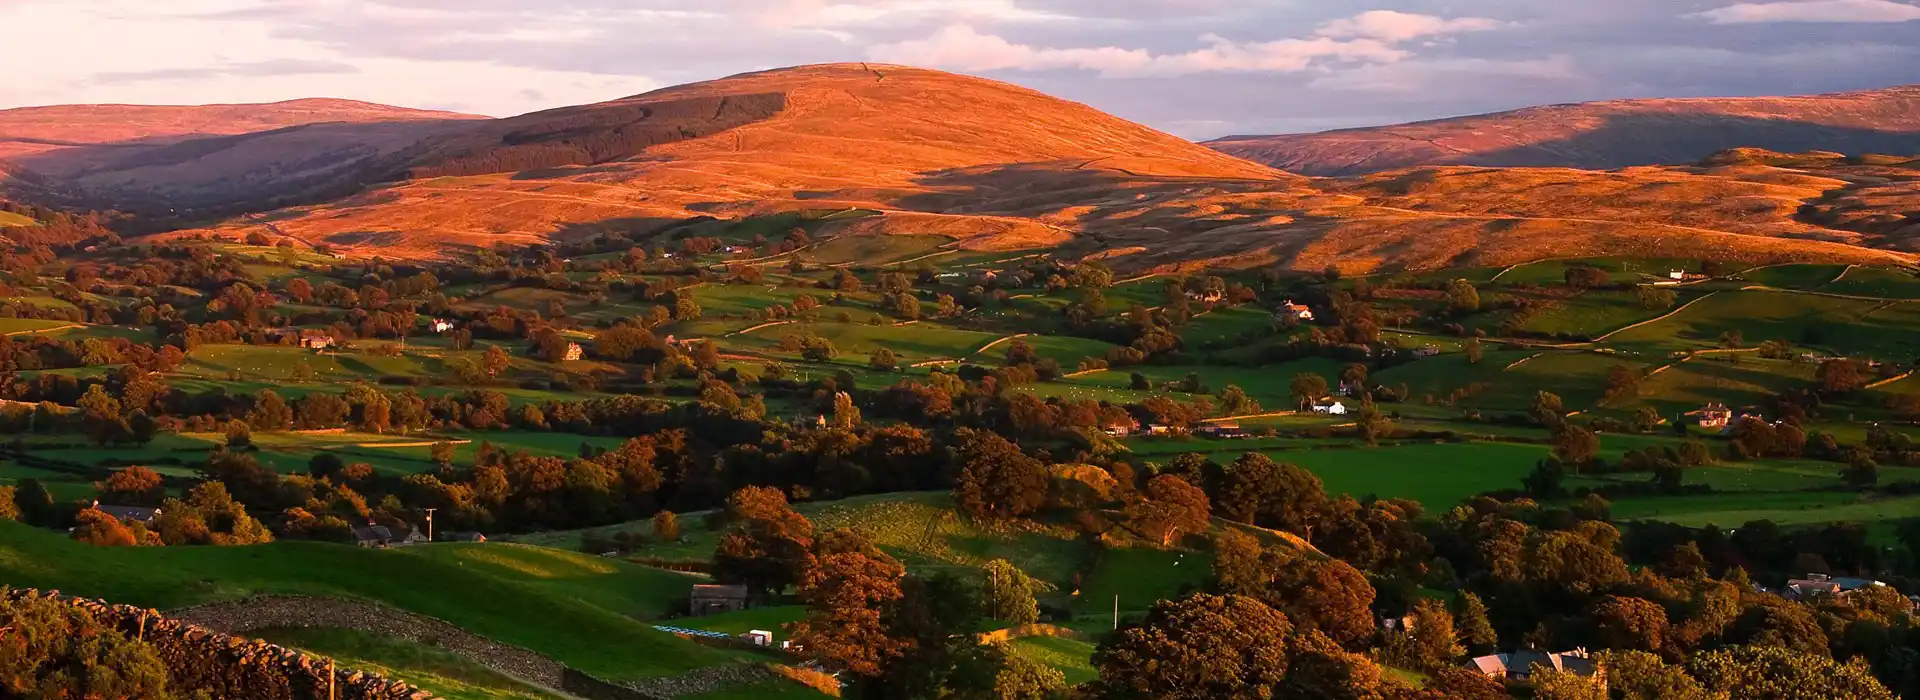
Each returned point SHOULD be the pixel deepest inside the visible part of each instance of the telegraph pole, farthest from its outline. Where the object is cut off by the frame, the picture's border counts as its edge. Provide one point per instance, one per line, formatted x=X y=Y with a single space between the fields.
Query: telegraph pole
x=430 y=523
x=1116 y=611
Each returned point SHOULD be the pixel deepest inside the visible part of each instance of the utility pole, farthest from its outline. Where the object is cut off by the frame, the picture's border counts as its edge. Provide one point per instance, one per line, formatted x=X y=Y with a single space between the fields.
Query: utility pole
x=430 y=523
x=1116 y=611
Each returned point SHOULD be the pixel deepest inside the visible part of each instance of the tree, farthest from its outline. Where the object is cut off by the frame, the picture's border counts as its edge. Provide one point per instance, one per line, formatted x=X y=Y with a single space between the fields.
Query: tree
x=132 y=486
x=239 y=434
x=1475 y=351
x=847 y=597
x=1839 y=376
x=100 y=416
x=1433 y=634
x=59 y=650
x=1307 y=388
x=1575 y=446
x=1656 y=298
x=270 y=412
x=769 y=546
x=1204 y=647
x=1547 y=410
x=996 y=479
x=208 y=516
x=1775 y=673
x=1623 y=385
x=884 y=360
x=1008 y=594
x=496 y=361
x=1470 y=617
x=1634 y=624
x=101 y=530
x=1638 y=675
x=9 y=510
x=1552 y=684
x=1328 y=595
x=1171 y=507
x=1235 y=402
x=666 y=526
x=1462 y=298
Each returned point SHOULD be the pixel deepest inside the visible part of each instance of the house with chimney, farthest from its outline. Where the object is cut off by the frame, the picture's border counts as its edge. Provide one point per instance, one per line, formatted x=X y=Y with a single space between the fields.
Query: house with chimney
x=1715 y=417
x=1298 y=312
x=1518 y=666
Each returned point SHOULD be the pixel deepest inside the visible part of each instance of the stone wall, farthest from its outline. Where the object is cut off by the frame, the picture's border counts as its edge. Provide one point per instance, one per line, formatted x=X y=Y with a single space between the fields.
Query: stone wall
x=304 y=612
x=198 y=658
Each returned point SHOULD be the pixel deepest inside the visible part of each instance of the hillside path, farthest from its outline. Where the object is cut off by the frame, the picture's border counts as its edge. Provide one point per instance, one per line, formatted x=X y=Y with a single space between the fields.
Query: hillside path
x=1656 y=319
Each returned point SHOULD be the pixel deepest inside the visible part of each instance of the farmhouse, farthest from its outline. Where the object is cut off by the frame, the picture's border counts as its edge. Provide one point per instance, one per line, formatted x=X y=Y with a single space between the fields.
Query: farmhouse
x=1334 y=409
x=135 y=514
x=713 y=599
x=1296 y=311
x=1819 y=585
x=575 y=352
x=1715 y=416
x=1120 y=428
x=1225 y=430
x=1427 y=351
x=373 y=536
x=1518 y=666
x=463 y=537
x=441 y=325
x=1212 y=296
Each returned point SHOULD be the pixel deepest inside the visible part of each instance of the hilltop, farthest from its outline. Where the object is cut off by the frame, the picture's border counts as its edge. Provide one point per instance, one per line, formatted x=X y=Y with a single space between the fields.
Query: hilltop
x=1606 y=135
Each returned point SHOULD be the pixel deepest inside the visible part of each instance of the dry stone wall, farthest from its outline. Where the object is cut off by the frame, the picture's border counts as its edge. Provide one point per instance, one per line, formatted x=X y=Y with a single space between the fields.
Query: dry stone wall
x=225 y=666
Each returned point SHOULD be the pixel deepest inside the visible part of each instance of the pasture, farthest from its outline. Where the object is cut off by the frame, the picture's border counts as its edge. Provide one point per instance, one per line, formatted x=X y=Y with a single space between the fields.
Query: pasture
x=449 y=676
x=564 y=626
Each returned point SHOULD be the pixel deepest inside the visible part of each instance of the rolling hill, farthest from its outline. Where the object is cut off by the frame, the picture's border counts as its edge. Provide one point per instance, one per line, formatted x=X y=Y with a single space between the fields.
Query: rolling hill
x=992 y=166
x=133 y=156
x=1606 y=135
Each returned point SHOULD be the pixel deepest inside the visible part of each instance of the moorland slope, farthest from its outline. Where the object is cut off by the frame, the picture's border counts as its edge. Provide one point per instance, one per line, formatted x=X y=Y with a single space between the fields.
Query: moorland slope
x=1605 y=135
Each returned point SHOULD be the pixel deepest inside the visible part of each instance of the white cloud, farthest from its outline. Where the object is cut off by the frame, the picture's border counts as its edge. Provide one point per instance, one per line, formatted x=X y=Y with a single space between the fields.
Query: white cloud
x=1478 y=74
x=1390 y=26
x=1858 y=11
x=1371 y=37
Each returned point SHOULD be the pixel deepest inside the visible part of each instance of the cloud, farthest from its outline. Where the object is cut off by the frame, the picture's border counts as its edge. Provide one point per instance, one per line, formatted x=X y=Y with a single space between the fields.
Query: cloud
x=1855 y=11
x=1371 y=37
x=1394 y=27
x=268 y=68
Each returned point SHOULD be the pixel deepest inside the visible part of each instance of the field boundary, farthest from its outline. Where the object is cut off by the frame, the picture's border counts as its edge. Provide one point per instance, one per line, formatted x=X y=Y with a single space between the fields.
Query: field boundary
x=1657 y=319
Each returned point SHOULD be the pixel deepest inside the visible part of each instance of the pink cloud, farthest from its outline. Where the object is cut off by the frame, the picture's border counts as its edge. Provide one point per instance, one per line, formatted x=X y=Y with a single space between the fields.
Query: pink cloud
x=1390 y=26
x=1860 y=11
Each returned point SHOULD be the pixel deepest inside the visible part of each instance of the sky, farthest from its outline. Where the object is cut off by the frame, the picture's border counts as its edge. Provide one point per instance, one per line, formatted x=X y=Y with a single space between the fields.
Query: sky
x=1196 y=68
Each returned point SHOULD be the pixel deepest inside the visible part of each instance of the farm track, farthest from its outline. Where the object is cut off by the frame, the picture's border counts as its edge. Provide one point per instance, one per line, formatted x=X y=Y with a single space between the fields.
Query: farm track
x=36 y=331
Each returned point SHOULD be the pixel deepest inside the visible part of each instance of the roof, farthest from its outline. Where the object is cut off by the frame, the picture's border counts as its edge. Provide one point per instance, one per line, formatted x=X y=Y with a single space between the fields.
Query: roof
x=1491 y=664
x=134 y=513
x=372 y=533
x=707 y=590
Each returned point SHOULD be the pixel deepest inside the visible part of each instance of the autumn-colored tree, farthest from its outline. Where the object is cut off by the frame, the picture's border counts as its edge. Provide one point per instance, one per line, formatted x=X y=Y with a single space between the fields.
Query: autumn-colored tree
x=101 y=530
x=100 y=416
x=9 y=510
x=996 y=479
x=1204 y=647
x=848 y=595
x=209 y=515
x=1434 y=637
x=1462 y=297
x=1320 y=668
x=769 y=546
x=1631 y=624
x=666 y=526
x=1306 y=388
x=1169 y=508
x=132 y=486
x=1839 y=376
x=1553 y=684
x=496 y=361
x=1326 y=594
x=1768 y=672
x=1638 y=675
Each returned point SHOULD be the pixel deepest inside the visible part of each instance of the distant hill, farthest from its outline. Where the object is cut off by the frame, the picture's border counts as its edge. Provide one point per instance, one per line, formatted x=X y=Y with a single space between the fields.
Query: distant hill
x=1606 y=135
x=142 y=156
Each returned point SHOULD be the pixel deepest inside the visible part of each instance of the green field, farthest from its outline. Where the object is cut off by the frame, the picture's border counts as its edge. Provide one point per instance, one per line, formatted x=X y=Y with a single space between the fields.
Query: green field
x=1436 y=475
x=1890 y=283
x=554 y=615
x=1800 y=276
x=1071 y=657
x=443 y=673
x=1840 y=325
x=1790 y=508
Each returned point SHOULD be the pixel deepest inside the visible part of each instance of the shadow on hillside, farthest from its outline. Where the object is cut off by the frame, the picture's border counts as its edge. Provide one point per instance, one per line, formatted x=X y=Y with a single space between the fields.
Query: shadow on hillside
x=1627 y=140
